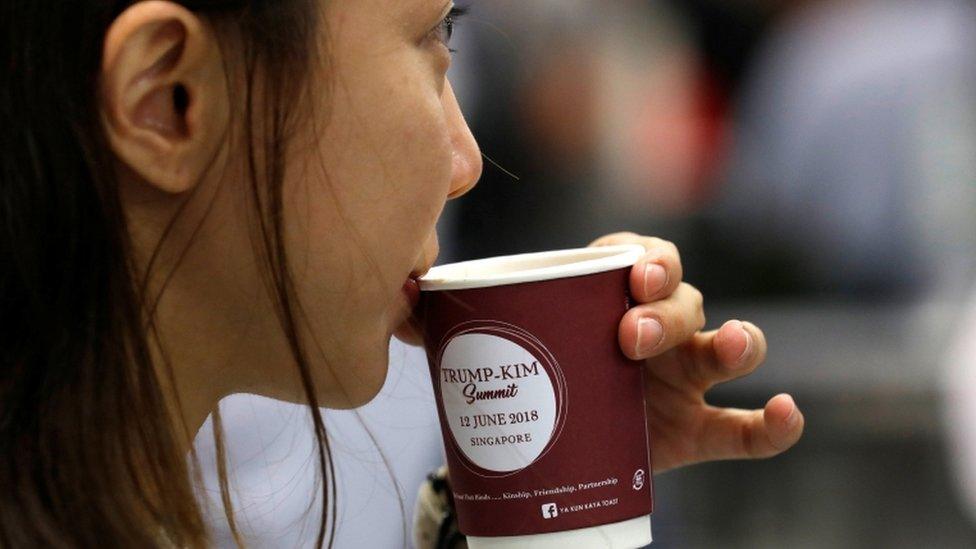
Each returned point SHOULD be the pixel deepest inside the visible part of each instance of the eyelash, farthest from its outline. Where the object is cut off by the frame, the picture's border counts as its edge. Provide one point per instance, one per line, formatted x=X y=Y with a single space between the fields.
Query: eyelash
x=445 y=29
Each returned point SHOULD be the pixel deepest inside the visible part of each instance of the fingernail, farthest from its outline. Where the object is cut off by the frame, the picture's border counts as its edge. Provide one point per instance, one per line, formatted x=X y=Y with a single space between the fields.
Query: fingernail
x=748 y=350
x=649 y=335
x=794 y=417
x=655 y=278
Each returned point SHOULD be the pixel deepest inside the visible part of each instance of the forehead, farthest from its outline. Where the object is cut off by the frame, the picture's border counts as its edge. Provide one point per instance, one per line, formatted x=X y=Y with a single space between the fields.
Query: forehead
x=401 y=7
x=420 y=8
x=383 y=13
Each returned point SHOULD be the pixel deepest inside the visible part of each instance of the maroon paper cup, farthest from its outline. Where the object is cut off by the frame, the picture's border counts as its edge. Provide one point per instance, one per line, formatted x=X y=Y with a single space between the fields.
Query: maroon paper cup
x=542 y=415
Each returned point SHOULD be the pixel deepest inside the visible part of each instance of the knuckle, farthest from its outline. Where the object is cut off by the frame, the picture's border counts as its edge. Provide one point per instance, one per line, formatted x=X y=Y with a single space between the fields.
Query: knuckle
x=696 y=300
x=695 y=295
x=670 y=315
x=678 y=269
x=662 y=247
x=615 y=238
x=678 y=327
x=673 y=248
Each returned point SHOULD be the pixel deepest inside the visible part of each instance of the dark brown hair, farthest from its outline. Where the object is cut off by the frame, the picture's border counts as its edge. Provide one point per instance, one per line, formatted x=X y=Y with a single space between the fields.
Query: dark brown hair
x=89 y=455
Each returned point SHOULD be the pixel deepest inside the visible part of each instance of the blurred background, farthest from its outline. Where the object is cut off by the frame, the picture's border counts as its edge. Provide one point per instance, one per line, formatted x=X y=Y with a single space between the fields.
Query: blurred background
x=815 y=162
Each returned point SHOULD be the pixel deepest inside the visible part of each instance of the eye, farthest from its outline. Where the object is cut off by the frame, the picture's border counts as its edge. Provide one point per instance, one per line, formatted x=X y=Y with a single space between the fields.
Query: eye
x=445 y=29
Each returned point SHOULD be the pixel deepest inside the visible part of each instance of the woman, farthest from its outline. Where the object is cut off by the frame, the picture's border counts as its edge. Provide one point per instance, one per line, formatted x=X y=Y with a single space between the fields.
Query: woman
x=219 y=196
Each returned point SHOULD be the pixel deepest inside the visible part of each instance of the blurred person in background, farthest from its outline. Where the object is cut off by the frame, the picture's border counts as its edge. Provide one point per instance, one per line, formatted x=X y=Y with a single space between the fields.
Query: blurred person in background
x=847 y=204
x=853 y=155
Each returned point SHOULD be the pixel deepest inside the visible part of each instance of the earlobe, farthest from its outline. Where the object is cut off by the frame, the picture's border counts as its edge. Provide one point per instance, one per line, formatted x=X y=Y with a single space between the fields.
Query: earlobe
x=161 y=71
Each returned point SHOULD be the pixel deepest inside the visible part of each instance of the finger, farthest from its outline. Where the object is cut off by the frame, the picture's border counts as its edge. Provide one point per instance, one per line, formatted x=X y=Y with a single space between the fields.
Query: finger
x=745 y=434
x=651 y=329
x=625 y=237
x=658 y=273
x=735 y=350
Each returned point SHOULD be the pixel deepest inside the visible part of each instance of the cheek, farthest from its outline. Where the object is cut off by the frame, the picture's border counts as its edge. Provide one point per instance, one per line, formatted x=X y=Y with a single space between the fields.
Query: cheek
x=413 y=169
x=418 y=129
x=428 y=165
x=371 y=183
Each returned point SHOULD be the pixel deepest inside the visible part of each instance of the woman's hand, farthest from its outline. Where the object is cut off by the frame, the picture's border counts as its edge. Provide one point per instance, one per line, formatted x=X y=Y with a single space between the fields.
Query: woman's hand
x=682 y=363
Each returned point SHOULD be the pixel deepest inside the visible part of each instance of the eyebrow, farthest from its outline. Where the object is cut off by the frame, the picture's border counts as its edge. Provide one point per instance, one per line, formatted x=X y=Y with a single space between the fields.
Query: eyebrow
x=446 y=6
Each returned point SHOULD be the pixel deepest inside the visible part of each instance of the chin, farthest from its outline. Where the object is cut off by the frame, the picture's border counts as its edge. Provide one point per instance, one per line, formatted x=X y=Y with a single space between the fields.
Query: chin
x=360 y=382
x=409 y=333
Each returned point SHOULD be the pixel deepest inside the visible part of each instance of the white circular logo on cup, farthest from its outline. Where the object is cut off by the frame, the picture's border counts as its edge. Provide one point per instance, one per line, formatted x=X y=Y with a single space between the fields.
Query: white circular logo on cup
x=499 y=401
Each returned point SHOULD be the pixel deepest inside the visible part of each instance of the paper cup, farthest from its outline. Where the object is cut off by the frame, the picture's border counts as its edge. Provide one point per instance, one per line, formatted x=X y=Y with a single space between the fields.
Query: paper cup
x=542 y=415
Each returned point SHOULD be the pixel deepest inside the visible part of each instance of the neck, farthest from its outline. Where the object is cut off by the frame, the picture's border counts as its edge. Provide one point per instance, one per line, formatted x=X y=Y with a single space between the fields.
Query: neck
x=190 y=394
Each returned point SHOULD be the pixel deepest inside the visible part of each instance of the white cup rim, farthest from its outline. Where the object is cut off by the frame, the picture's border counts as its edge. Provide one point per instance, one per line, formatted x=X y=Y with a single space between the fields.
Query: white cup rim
x=530 y=267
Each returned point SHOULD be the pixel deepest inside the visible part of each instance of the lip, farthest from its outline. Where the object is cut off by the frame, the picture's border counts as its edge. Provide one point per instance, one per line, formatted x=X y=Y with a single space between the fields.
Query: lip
x=411 y=286
x=410 y=328
x=411 y=289
x=421 y=271
x=417 y=273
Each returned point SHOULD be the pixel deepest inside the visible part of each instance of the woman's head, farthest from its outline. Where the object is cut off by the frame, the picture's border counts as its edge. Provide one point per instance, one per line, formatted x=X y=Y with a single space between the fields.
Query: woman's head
x=202 y=198
x=375 y=147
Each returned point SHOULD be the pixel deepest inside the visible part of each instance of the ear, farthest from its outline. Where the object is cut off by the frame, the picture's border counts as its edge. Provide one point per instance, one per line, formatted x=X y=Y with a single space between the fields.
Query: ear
x=164 y=95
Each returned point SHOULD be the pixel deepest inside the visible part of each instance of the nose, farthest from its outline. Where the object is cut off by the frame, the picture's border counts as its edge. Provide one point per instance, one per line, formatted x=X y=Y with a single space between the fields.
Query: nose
x=467 y=160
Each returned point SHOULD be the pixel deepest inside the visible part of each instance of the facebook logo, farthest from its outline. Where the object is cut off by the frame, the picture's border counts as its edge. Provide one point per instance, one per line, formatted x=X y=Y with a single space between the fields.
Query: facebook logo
x=549 y=511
